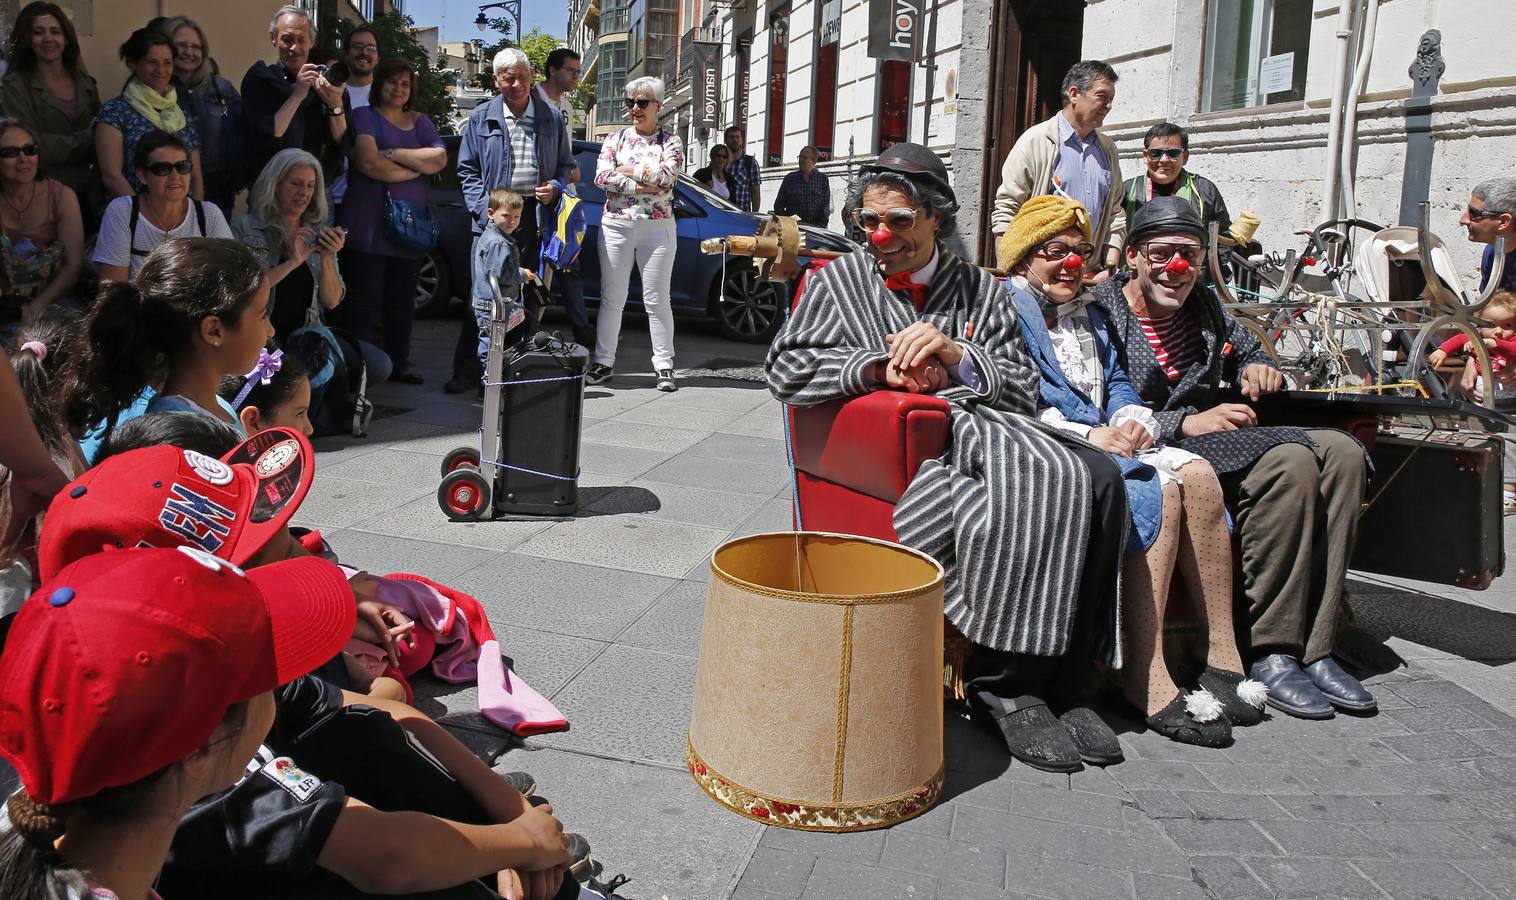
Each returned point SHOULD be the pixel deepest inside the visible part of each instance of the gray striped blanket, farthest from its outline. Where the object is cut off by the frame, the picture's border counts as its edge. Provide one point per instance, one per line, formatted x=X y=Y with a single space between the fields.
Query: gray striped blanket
x=1006 y=509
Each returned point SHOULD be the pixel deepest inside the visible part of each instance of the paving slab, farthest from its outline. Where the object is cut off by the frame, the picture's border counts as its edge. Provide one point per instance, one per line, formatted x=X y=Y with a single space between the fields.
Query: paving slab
x=602 y=613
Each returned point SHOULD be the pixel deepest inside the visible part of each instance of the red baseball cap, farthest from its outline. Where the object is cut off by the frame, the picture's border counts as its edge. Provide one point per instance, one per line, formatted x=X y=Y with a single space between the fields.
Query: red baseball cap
x=167 y=497
x=126 y=662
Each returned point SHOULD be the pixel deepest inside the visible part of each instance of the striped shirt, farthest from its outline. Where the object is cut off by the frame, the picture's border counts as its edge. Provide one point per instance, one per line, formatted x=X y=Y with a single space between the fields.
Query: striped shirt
x=523 y=141
x=1175 y=341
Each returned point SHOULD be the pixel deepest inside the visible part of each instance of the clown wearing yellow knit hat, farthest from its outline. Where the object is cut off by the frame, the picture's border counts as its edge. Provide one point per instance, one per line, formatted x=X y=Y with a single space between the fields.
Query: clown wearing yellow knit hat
x=1046 y=249
x=1038 y=219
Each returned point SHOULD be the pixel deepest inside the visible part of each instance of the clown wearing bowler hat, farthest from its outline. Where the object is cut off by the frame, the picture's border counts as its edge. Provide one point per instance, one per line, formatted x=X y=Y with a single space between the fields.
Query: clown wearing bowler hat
x=1027 y=521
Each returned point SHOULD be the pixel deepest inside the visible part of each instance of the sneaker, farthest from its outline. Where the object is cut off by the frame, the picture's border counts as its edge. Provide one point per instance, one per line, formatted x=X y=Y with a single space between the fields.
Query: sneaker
x=666 y=381
x=607 y=889
x=598 y=374
x=524 y=784
x=583 y=866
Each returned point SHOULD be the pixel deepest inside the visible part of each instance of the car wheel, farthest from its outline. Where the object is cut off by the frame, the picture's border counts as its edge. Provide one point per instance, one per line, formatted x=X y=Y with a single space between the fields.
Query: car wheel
x=746 y=307
x=434 y=290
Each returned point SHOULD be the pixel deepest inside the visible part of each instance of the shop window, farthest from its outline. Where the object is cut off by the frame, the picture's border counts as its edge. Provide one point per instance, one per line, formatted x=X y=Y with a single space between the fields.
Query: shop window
x=779 y=41
x=1255 y=53
x=824 y=94
x=894 y=103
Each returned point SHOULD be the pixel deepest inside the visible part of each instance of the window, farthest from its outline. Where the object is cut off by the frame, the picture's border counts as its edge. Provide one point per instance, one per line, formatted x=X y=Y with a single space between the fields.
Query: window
x=894 y=103
x=610 y=86
x=779 y=41
x=1255 y=53
x=824 y=103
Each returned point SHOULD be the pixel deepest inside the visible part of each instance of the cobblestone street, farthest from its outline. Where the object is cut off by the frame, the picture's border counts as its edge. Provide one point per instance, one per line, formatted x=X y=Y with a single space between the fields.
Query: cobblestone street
x=602 y=613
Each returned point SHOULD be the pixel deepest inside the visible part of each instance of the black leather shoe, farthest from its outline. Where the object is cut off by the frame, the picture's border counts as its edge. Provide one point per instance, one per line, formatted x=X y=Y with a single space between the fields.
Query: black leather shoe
x=1035 y=737
x=406 y=376
x=1241 y=698
x=1290 y=689
x=1343 y=690
x=1096 y=741
x=460 y=385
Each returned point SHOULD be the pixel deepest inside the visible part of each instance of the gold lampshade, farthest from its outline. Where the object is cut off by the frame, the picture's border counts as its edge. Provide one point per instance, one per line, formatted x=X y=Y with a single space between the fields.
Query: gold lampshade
x=818 y=696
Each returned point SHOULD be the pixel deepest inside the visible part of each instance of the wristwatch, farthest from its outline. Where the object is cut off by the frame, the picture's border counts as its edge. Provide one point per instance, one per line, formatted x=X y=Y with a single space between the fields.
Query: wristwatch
x=334 y=111
x=389 y=153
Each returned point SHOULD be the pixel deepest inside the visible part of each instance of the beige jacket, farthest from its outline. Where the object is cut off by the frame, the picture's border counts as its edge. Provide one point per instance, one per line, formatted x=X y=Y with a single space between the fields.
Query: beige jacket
x=1028 y=171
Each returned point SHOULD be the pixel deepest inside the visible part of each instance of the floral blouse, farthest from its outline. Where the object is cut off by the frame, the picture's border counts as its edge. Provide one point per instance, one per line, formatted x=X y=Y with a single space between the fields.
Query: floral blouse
x=656 y=159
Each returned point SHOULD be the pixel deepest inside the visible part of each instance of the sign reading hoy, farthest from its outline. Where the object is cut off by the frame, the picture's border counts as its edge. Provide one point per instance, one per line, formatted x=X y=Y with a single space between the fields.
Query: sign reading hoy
x=895 y=29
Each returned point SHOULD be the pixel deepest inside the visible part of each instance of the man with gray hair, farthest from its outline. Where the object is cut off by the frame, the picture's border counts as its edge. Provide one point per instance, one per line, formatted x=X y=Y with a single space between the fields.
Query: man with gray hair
x=1491 y=214
x=519 y=141
x=290 y=103
x=1067 y=155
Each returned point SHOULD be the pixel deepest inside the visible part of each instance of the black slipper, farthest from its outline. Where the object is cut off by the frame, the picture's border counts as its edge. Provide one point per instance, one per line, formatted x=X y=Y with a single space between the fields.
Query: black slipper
x=1241 y=697
x=1195 y=718
x=1096 y=741
x=1035 y=737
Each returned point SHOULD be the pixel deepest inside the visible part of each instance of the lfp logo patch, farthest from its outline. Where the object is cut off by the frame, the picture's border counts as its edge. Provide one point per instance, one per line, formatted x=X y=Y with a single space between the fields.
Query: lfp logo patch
x=197 y=519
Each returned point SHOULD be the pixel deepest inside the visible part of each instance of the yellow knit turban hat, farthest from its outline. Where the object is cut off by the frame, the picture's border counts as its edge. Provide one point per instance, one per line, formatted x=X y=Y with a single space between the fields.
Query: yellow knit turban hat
x=1039 y=219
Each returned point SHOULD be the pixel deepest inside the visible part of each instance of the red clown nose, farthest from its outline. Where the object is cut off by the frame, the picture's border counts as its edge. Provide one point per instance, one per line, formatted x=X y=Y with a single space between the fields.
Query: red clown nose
x=880 y=236
x=1073 y=261
x=1177 y=266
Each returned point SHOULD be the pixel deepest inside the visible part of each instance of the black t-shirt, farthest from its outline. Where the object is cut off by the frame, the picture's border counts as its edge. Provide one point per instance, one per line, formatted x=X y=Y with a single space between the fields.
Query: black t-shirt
x=292 y=301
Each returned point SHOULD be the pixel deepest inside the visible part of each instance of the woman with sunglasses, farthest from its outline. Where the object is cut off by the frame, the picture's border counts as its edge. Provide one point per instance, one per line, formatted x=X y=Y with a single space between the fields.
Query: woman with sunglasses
x=41 y=233
x=713 y=176
x=1178 y=519
x=638 y=168
x=47 y=88
x=133 y=226
x=148 y=102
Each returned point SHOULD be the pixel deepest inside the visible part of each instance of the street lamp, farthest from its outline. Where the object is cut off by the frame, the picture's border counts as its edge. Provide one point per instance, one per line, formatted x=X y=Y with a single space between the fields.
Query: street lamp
x=512 y=8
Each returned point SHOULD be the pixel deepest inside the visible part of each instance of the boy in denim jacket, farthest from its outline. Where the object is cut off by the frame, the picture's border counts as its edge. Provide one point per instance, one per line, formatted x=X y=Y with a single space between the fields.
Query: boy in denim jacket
x=495 y=253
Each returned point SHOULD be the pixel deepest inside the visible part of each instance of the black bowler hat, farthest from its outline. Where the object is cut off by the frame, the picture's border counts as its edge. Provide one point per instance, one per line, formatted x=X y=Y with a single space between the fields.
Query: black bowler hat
x=916 y=163
x=1166 y=215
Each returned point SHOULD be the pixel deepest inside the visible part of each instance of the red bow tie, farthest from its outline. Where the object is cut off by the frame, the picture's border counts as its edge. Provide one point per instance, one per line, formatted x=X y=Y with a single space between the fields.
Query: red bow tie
x=901 y=281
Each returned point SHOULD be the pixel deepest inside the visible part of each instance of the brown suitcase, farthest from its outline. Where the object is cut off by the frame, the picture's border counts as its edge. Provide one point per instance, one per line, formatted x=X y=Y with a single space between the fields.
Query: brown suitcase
x=1433 y=509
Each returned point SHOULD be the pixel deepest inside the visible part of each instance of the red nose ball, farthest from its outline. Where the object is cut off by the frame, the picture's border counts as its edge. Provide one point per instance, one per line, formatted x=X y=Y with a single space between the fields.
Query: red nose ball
x=1073 y=261
x=880 y=236
x=1177 y=266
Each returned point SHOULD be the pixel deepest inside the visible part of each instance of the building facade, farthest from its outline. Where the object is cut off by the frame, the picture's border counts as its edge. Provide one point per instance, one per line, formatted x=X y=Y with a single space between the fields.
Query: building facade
x=1253 y=84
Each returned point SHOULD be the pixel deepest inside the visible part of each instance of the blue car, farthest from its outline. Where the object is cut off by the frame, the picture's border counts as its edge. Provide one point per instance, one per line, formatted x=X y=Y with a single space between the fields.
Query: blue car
x=722 y=287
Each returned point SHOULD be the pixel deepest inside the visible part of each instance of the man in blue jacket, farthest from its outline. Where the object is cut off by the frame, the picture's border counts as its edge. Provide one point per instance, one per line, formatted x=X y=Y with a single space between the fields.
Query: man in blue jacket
x=517 y=141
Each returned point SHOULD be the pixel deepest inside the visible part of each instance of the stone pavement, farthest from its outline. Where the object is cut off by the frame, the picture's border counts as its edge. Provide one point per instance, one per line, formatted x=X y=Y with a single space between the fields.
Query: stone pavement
x=602 y=613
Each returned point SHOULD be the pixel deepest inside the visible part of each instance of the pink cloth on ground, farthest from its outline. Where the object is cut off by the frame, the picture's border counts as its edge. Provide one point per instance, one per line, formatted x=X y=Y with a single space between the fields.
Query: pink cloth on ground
x=466 y=650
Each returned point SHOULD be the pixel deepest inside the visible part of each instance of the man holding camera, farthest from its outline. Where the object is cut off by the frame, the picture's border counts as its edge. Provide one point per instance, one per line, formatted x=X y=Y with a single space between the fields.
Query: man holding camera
x=290 y=103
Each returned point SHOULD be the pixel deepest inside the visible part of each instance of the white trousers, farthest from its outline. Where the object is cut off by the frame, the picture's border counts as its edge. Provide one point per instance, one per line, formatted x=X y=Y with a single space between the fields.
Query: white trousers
x=650 y=245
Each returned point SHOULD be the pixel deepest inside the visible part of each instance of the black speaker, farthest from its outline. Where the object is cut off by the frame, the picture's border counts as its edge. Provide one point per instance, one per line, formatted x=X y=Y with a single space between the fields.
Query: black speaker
x=541 y=407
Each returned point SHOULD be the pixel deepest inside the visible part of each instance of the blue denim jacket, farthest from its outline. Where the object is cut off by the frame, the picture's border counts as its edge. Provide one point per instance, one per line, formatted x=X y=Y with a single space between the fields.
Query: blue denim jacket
x=484 y=158
x=495 y=254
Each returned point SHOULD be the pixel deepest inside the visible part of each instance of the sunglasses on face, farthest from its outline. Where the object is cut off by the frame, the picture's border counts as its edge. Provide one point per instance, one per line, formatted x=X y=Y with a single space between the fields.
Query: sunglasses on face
x=1165 y=152
x=161 y=169
x=639 y=102
x=1160 y=253
x=1056 y=250
x=1473 y=213
x=896 y=220
x=12 y=152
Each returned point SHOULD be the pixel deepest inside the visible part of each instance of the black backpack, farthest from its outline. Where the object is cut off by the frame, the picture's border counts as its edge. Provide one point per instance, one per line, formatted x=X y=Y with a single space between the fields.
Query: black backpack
x=339 y=380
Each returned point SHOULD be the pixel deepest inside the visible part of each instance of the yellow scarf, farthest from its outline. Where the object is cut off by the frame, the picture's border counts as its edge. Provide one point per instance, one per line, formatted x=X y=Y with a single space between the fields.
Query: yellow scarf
x=162 y=110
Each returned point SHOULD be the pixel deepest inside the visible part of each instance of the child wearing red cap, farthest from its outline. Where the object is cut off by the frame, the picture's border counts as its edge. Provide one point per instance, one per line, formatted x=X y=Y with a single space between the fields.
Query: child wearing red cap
x=287 y=829
x=106 y=766
x=198 y=310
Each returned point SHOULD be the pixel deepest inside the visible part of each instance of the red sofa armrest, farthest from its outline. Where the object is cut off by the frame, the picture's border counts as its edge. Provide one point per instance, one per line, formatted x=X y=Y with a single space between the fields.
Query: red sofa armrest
x=872 y=444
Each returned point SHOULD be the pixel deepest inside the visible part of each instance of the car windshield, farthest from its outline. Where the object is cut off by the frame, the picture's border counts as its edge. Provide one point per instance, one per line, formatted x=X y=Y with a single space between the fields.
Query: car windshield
x=705 y=194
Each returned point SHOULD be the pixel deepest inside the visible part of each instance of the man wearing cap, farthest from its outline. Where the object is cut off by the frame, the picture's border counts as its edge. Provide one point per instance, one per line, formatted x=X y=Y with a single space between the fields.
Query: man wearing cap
x=1027 y=521
x=133 y=683
x=1294 y=493
x=287 y=828
x=1067 y=155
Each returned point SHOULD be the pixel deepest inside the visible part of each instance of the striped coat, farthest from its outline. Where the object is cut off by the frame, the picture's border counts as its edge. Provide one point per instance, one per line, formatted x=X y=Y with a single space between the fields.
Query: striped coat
x=1006 y=509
